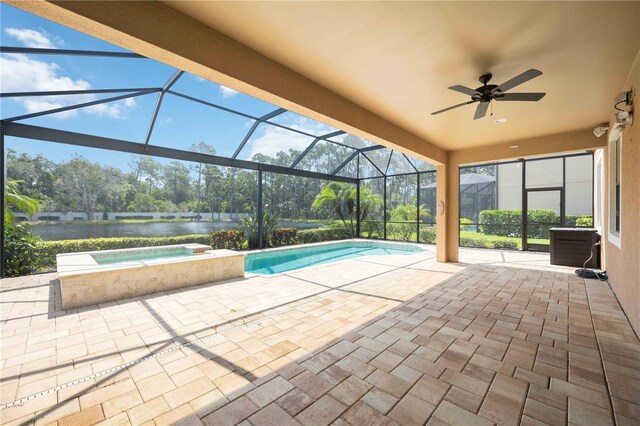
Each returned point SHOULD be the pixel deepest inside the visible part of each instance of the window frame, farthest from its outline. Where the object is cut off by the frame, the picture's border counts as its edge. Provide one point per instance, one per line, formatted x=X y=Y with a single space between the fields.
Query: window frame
x=614 y=225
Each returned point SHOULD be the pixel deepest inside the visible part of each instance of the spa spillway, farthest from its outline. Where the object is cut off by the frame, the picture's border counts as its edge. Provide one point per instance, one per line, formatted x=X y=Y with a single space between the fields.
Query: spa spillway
x=91 y=278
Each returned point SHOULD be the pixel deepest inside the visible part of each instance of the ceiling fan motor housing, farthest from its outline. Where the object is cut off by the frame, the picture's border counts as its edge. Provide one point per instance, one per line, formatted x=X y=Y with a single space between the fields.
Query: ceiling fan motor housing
x=487 y=92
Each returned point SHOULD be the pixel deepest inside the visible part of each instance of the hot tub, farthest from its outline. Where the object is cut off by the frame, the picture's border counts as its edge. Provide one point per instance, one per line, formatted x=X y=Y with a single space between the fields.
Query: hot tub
x=94 y=277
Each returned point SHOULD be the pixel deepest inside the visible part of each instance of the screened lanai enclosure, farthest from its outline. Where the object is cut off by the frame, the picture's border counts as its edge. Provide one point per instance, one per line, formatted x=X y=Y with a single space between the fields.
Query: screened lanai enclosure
x=105 y=149
x=119 y=150
x=514 y=204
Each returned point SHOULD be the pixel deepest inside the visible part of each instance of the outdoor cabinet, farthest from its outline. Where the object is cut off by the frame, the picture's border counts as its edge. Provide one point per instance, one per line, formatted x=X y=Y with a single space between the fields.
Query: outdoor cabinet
x=573 y=246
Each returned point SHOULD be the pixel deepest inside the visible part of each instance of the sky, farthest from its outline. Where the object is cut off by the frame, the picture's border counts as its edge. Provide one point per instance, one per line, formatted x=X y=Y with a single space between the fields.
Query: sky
x=180 y=122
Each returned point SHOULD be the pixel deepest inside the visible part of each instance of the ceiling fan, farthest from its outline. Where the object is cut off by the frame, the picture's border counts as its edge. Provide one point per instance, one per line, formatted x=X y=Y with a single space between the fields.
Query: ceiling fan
x=491 y=92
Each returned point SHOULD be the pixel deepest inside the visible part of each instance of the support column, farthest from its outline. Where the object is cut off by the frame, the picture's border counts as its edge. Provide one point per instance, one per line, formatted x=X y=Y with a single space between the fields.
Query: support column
x=447 y=214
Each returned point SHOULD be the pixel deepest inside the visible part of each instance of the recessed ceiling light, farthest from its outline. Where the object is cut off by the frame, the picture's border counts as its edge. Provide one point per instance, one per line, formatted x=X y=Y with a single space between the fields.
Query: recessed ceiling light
x=500 y=120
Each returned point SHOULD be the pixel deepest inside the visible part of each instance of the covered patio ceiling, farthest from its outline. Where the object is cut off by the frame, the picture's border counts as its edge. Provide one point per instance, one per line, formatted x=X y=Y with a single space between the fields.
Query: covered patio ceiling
x=397 y=59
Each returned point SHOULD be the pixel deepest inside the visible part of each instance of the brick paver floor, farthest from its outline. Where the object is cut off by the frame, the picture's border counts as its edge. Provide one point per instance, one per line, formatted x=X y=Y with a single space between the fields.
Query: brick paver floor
x=500 y=338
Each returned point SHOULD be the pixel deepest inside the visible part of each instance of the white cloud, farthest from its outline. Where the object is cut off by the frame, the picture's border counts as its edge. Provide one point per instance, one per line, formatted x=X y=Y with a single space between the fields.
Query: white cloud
x=23 y=74
x=308 y=125
x=165 y=121
x=30 y=38
x=112 y=109
x=276 y=139
x=227 y=92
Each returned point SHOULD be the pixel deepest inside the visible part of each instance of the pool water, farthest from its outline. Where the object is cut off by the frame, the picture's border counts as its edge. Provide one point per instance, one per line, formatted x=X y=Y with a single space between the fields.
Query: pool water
x=138 y=255
x=277 y=261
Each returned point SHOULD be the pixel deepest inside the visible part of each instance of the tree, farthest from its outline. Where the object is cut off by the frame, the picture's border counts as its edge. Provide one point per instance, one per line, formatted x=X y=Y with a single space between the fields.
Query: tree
x=177 y=183
x=409 y=212
x=203 y=148
x=145 y=169
x=83 y=185
x=34 y=174
x=341 y=199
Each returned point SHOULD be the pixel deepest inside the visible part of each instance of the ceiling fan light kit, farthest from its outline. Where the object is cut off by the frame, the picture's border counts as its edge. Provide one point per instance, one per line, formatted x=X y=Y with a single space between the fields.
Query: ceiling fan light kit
x=492 y=92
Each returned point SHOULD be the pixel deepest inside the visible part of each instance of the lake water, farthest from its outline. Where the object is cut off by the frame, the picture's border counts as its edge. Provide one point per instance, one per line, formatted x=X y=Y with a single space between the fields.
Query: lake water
x=73 y=231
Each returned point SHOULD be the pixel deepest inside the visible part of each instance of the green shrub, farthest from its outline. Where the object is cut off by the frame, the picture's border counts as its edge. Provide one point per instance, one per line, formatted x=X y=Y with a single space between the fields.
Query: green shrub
x=505 y=244
x=482 y=241
x=571 y=220
x=232 y=239
x=284 y=237
x=428 y=235
x=47 y=250
x=584 y=222
x=323 y=234
x=474 y=242
x=401 y=231
x=547 y=217
x=249 y=224
x=21 y=253
x=372 y=229
x=508 y=223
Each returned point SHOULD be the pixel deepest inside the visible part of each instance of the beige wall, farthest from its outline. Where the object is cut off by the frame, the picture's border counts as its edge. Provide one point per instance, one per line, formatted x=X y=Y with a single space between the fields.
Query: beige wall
x=623 y=264
x=579 y=140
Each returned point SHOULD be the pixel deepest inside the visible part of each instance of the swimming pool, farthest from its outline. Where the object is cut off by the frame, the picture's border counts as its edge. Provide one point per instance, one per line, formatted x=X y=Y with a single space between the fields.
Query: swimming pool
x=277 y=261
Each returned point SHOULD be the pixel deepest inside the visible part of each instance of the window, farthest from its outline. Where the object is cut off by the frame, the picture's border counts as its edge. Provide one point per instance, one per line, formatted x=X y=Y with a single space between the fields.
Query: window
x=598 y=190
x=618 y=185
x=615 y=190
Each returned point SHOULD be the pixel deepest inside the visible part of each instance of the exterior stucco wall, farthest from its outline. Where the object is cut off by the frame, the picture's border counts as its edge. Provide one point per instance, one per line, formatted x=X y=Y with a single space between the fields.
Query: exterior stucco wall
x=623 y=263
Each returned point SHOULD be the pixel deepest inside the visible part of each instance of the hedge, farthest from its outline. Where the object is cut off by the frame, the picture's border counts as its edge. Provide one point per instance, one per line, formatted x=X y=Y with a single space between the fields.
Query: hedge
x=323 y=234
x=284 y=237
x=231 y=239
x=584 y=222
x=508 y=223
x=47 y=250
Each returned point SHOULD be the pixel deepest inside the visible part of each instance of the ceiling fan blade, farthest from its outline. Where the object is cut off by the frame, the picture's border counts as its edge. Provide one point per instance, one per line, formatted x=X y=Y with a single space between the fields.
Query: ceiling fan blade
x=531 y=97
x=481 y=111
x=464 y=89
x=452 y=107
x=518 y=80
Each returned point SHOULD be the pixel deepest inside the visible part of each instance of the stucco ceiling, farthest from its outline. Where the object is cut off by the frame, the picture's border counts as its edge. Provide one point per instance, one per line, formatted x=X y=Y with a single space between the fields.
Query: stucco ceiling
x=397 y=59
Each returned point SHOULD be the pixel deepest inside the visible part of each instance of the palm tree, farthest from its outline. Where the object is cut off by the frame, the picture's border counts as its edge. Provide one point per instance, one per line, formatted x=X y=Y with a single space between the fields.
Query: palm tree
x=341 y=199
x=18 y=202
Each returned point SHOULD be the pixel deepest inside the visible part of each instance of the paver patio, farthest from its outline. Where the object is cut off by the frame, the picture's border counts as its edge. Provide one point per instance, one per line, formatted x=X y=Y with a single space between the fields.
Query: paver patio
x=500 y=338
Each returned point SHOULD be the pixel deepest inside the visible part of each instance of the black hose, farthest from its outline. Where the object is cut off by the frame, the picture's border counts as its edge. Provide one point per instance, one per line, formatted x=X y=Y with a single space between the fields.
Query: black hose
x=591 y=274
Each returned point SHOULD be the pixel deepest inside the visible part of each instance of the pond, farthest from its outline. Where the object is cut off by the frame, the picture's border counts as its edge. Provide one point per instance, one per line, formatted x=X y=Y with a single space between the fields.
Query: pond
x=73 y=231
